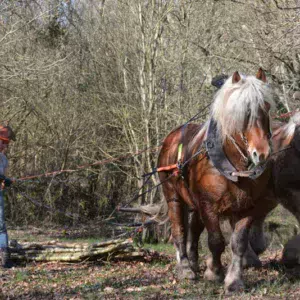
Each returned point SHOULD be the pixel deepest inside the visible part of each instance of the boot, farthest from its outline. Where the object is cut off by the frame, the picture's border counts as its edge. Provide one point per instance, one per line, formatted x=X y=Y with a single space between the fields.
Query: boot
x=5 y=258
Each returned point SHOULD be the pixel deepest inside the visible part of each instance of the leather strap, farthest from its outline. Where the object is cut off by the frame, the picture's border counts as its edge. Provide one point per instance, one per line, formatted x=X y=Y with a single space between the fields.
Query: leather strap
x=216 y=154
x=219 y=159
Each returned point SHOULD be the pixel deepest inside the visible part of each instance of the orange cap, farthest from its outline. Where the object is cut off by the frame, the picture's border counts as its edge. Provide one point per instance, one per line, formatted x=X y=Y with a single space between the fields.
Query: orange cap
x=5 y=134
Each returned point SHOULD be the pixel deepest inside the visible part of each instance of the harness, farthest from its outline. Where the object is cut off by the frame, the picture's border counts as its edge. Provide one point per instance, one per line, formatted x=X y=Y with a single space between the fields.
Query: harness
x=214 y=149
x=219 y=159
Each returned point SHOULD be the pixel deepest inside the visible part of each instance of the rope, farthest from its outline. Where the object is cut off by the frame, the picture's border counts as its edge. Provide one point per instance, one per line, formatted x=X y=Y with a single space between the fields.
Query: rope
x=85 y=166
x=147 y=191
x=105 y=161
x=287 y=148
x=201 y=151
x=286 y=115
x=246 y=160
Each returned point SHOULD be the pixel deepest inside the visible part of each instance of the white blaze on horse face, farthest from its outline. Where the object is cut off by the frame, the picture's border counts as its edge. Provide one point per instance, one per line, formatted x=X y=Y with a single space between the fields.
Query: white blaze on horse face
x=260 y=151
x=257 y=158
x=239 y=103
x=259 y=139
x=260 y=131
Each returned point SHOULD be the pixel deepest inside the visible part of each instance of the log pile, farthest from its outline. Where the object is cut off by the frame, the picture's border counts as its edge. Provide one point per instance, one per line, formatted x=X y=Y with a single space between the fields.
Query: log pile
x=118 y=249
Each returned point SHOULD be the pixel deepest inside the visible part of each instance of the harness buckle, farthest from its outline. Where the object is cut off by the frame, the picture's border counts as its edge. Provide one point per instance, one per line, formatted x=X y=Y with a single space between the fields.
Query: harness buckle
x=179 y=170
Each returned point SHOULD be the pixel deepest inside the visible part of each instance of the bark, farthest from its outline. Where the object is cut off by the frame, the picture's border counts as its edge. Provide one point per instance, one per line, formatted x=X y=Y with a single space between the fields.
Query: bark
x=73 y=252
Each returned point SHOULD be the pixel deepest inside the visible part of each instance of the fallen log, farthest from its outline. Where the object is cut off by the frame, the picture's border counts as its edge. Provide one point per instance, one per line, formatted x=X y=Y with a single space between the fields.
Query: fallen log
x=74 y=252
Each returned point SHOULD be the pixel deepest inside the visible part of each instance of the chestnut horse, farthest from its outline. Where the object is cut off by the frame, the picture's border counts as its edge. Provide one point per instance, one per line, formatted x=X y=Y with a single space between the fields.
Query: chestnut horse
x=284 y=185
x=224 y=177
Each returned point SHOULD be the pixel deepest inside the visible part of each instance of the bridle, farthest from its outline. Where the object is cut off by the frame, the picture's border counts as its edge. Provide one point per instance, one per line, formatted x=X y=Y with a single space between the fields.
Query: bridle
x=244 y=158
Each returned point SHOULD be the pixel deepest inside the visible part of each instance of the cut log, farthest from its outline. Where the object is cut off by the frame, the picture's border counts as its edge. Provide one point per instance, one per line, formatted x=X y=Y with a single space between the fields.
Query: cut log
x=74 y=252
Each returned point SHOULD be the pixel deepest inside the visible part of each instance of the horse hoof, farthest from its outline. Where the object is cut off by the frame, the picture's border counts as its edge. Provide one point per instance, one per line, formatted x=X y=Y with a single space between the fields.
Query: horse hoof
x=186 y=273
x=251 y=263
x=235 y=286
x=195 y=267
x=213 y=276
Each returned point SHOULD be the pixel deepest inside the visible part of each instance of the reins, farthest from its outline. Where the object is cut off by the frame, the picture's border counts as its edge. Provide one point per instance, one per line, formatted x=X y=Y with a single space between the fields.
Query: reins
x=246 y=159
x=177 y=168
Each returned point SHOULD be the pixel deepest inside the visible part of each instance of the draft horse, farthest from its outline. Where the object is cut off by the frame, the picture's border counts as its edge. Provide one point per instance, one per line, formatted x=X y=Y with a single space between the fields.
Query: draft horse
x=284 y=185
x=223 y=172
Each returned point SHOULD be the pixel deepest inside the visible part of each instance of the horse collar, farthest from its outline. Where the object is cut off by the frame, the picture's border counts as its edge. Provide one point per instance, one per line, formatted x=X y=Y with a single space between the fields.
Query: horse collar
x=219 y=159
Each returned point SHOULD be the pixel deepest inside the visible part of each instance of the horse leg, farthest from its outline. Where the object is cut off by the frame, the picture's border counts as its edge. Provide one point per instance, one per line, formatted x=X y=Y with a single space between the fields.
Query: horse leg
x=176 y=215
x=257 y=236
x=216 y=244
x=250 y=258
x=239 y=244
x=194 y=230
x=257 y=244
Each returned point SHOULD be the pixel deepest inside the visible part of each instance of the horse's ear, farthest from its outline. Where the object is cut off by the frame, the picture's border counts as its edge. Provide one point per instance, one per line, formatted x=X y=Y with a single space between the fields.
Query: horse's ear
x=236 y=77
x=261 y=75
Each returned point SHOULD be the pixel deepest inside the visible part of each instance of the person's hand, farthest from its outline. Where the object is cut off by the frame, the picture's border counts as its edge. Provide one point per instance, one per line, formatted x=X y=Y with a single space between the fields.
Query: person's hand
x=7 y=182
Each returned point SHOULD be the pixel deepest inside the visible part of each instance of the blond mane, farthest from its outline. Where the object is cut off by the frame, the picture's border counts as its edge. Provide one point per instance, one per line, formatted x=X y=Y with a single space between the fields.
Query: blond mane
x=288 y=130
x=236 y=103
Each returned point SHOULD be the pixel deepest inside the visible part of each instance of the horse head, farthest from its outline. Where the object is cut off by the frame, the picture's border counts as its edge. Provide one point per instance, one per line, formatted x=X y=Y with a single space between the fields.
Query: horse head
x=285 y=133
x=241 y=110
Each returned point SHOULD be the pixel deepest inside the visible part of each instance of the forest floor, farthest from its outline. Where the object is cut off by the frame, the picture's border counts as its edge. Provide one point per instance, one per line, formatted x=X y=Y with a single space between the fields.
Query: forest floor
x=152 y=278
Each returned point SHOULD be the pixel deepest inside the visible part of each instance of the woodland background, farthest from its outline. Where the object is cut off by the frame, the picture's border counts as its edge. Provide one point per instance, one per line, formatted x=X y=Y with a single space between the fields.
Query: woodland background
x=83 y=81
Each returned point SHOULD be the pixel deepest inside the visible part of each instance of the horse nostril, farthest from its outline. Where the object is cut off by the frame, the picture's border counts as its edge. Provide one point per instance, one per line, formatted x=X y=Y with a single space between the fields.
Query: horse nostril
x=254 y=154
x=262 y=158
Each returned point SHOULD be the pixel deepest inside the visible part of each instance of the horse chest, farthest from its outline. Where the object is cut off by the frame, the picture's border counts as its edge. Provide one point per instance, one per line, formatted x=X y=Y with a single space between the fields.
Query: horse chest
x=248 y=193
x=227 y=197
x=234 y=200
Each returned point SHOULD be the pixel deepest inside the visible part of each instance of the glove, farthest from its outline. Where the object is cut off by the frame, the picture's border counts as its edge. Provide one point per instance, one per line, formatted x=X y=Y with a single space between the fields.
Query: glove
x=7 y=182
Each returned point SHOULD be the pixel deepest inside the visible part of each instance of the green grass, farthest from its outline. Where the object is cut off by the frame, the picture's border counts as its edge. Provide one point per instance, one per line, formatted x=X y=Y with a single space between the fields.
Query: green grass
x=165 y=248
x=21 y=276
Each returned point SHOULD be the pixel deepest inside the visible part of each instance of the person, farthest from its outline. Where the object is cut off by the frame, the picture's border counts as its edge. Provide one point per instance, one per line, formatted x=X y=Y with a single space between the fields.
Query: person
x=6 y=135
